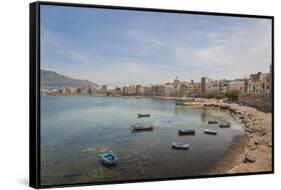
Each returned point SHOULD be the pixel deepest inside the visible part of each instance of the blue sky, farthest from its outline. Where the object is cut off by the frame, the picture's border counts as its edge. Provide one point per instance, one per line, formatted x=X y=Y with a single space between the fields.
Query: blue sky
x=123 y=47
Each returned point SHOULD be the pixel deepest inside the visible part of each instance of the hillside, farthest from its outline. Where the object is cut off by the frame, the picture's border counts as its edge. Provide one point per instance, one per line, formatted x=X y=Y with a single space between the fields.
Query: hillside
x=51 y=79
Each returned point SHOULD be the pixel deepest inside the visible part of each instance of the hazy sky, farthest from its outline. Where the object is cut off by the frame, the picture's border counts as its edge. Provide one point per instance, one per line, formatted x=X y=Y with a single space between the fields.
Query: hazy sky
x=122 y=47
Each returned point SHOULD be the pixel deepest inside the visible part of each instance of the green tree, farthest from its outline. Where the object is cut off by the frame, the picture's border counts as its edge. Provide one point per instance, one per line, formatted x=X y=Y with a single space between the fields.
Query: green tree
x=210 y=95
x=233 y=94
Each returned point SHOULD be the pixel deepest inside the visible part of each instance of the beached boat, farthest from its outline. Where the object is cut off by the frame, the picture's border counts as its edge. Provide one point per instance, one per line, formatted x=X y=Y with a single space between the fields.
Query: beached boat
x=186 y=132
x=225 y=125
x=142 y=127
x=209 y=131
x=143 y=115
x=213 y=122
x=180 y=145
x=109 y=159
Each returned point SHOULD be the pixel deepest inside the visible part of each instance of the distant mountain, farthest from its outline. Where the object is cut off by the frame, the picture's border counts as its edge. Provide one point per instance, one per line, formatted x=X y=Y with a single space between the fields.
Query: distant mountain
x=51 y=79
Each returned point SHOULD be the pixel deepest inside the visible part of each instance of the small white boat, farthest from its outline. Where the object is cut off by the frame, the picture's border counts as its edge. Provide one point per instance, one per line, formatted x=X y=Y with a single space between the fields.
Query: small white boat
x=209 y=131
x=142 y=127
x=180 y=145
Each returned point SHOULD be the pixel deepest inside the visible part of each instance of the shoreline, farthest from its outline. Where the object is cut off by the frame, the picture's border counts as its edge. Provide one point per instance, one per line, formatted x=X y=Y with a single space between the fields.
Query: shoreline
x=251 y=152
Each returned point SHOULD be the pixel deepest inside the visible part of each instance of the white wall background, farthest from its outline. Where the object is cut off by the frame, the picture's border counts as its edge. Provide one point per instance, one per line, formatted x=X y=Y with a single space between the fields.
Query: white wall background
x=14 y=73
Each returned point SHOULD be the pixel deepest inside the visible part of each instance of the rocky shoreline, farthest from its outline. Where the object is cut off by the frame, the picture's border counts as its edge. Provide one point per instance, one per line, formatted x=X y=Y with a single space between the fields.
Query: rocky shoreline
x=250 y=153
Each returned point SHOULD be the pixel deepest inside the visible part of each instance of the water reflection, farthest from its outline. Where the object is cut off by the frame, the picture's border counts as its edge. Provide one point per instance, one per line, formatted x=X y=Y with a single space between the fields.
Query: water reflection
x=75 y=130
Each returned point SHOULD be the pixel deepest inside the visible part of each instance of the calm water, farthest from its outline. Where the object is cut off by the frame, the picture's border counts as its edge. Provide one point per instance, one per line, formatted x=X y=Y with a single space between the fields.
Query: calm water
x=75 y=129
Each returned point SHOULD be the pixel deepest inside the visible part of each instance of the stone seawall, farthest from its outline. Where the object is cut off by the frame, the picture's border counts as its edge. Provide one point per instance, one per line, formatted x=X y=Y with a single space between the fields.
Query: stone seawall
x=262 y=102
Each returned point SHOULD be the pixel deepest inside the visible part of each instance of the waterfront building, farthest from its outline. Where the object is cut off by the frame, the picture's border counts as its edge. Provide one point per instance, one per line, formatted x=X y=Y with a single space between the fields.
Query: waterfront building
x=147 y=90
x=44 y=92
x=53 y=92
x=182 y=89
x=84 y=91
x=139 y=90
x=159 y=90
x=125 y=90
x=72 y=91
x=237 y=84
x=224 y=86
x=170 y=90
x=116 y=92
x=195 y=89
x=107 y=88
x=209 y=87
x=93 y=90
x=64 y=92
x=131 y=90
x=259 y=83
x=203 y=86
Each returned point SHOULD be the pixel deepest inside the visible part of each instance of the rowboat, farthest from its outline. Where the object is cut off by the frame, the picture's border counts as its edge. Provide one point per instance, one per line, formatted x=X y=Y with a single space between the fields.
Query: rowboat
x=186 y=132
x=143 y=115
x=180 y=145
x=225 y=125
x=142 y=127
x=209 y=131
x=212 y=121
x=109 y=159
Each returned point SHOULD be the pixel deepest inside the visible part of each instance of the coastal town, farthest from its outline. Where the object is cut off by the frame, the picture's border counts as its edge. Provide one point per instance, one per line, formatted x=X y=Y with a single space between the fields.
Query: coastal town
x=256 y=86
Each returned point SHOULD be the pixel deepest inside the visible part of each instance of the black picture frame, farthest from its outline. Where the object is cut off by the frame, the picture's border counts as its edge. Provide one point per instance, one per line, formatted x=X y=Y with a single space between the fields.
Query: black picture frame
x=34 y=91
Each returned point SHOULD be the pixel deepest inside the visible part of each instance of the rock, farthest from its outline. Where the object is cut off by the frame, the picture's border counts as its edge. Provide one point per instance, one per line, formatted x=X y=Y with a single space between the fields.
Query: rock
x=241 y=117
x=224 y=106
x=249 y=130
x=252 y=146
x=269 y=144
x=249 y=157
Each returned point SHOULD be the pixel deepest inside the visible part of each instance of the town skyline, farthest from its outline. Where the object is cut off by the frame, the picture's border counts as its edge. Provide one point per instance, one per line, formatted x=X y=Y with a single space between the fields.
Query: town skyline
x=134 y=47
x=166 y=81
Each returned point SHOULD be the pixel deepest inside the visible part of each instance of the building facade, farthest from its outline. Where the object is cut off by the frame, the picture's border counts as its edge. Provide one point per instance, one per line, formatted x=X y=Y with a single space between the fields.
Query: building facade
x=259 y=83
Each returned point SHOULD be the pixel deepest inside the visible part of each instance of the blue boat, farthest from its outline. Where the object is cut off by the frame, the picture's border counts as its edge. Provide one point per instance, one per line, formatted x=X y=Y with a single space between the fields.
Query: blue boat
x=186 y=132
x=180 y=145
x=109 y=159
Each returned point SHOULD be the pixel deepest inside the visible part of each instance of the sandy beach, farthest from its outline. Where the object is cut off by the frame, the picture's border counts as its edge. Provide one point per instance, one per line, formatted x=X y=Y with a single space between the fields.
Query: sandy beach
x=250 y=153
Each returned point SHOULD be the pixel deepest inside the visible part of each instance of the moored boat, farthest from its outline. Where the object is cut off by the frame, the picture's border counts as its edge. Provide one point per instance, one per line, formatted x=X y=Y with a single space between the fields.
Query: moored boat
x=142 y=127
x=213 y=122
x=143 y=115
x=225 y=125
x=209 y=131
x=109 y=159
x=180 y=145
x=186 y=131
